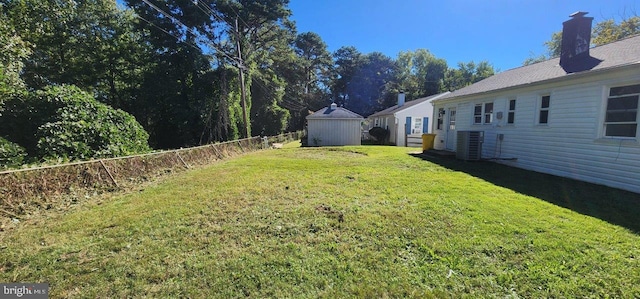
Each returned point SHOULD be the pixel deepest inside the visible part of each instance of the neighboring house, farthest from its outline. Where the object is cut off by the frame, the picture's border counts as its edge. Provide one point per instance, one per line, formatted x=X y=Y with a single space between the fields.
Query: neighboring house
x=406 y=119
x=575 y=116
x=334 y=126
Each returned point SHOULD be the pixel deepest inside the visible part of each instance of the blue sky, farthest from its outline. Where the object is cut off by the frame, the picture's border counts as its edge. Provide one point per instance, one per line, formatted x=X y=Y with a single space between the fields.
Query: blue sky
x=503 y=32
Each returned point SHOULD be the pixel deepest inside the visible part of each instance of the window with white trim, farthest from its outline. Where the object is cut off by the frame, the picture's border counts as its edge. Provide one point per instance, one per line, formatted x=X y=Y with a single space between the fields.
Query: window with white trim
x=440 y=118
x=621 y=119
x=417 y=125
x=511 y=113
x=543 y=111
x=483 y=113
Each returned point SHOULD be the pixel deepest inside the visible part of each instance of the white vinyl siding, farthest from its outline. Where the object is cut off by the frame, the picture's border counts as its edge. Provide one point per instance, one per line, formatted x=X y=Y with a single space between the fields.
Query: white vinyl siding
x=327 y=132
x=571 y=144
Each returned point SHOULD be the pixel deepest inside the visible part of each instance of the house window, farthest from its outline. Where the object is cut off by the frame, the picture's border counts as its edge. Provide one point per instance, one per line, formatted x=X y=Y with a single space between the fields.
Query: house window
x=452 y=119
x=483 y=113
x=375 y=122
x=488 y=113
x=440 y=118
x=417 y=126
x=543 y=115
x=477 y=114
x=621 y=118
x=511 y=114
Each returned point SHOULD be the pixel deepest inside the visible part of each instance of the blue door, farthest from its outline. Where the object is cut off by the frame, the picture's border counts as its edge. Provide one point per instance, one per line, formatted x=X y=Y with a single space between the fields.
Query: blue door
x=407 y=126
x=425 y=125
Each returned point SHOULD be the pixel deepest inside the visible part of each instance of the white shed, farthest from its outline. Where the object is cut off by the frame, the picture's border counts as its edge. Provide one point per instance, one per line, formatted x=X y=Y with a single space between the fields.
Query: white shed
x=334 y=126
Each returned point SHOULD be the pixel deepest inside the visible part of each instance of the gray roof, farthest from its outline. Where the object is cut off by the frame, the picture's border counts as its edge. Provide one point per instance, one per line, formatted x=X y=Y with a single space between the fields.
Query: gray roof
x=337 y=113
x=625 y=52
x=393 y=109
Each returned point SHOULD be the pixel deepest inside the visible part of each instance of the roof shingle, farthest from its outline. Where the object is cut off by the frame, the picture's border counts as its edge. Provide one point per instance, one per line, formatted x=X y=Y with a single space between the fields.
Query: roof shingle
x=616 y=54
x=337 y=113
x=395 y=108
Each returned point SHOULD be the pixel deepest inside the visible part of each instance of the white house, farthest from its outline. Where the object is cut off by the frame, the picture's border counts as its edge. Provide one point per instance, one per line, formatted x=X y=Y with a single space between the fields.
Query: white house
x=404 y=119
x=575 y=116
x=334 y=126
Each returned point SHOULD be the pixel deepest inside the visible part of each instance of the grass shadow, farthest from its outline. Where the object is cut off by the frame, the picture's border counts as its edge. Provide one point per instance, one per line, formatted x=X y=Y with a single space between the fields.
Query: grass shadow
x=612 y=205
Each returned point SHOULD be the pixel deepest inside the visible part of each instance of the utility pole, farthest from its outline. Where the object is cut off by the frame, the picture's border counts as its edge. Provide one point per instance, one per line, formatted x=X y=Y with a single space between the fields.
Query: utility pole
x=243 y=94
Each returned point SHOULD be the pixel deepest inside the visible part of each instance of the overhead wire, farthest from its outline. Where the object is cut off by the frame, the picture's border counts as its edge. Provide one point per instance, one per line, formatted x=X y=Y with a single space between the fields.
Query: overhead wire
x=285 y=103
x=169 y=33
x=238 y=15
x=209 y=43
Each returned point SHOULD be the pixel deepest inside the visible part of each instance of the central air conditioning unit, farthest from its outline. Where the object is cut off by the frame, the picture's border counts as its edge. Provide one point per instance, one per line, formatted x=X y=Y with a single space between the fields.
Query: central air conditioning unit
x=469 y=145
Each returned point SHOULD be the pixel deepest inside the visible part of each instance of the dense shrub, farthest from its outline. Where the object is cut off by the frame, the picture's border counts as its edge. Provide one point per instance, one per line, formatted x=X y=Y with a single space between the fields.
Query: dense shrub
x=380 y=134
x=11 y=154
x=64 y=121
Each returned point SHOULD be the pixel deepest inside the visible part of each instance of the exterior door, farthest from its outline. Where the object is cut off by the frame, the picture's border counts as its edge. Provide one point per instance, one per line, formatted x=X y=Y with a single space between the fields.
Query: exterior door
x=451 y=129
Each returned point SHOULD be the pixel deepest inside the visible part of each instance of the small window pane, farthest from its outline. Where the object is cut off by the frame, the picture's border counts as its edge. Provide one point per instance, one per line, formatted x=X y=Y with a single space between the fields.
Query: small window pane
x=622 y=90
x=511 y=117
x=621 y=116
x=512 y=105
x=544 y=117
x=488 y=108
x=623 y=103
x=622 y=130
x=545 y=102
x=477 y=110
x=477 y=119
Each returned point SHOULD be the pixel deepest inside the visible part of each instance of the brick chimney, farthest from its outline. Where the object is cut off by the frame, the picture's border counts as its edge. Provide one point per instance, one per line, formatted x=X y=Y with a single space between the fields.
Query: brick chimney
x=576 y=40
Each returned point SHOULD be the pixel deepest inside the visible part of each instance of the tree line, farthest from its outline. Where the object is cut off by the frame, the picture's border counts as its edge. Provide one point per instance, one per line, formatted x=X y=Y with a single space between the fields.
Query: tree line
x=87 y=79
x=603 y=32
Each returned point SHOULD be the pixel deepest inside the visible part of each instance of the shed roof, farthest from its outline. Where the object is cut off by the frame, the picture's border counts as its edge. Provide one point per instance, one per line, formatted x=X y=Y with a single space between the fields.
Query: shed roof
x=336 y=113
x=394 y=109
x=610 y=56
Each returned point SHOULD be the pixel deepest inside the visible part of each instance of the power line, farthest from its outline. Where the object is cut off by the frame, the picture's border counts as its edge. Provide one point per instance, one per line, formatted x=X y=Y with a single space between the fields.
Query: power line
x=169 y=33
x=238 y=15
x=208 y=42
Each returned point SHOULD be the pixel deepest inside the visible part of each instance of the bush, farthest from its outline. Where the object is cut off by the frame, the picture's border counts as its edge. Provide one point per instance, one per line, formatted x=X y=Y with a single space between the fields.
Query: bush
x=11 y=154
x=66 y=122
x=380 y=134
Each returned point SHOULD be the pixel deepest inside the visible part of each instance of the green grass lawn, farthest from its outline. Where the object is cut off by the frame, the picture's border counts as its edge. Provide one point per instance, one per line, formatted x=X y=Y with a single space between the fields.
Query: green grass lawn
x=365 y=221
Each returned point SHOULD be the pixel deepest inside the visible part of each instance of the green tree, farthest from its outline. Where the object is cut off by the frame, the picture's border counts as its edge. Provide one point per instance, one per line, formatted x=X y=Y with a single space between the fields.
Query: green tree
x=467 y=74
x=608 y=31
x=255 y=28
x=315 y=61
x=363 y=80
x=64 y=121
x=238 y=34
x=420 y=73
x=306 y=67
x=13 y=51
x=90 y=44
x=178 y=94
x=11 y=154
x=603 y=32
